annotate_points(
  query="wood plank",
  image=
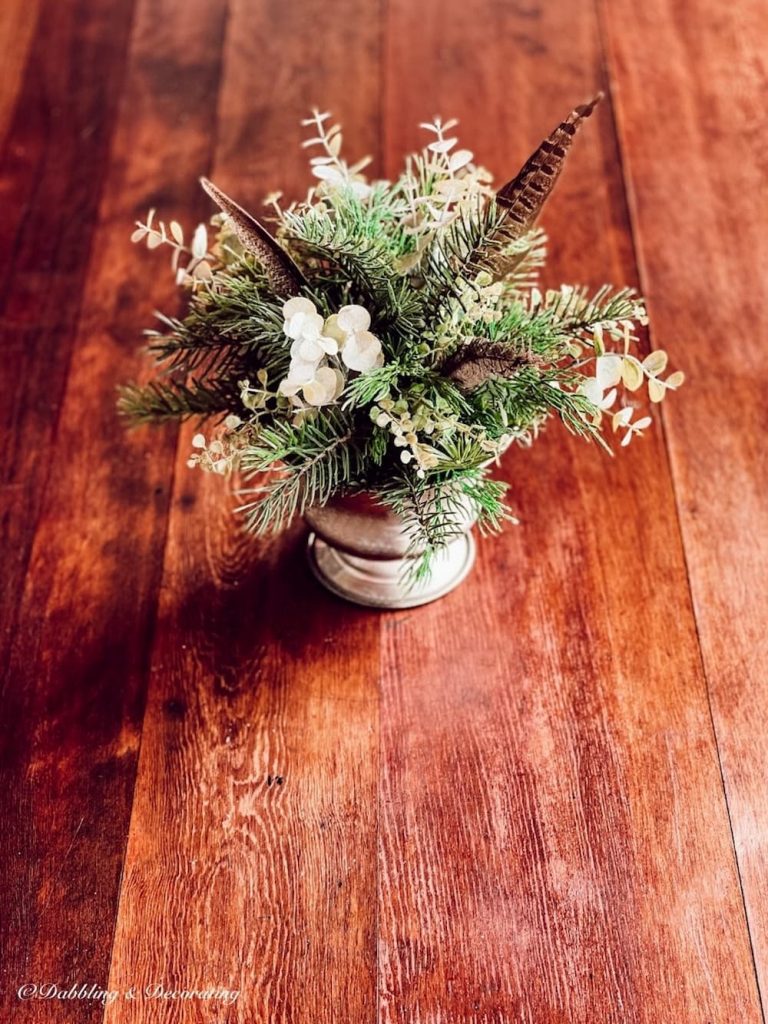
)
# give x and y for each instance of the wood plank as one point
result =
(703, 266)
(52, 170)
(18, 19)
(75, 689)
(252, 853)
(554, 840)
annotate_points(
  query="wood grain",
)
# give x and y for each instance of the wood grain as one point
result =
(554, 840)
(62, 123)
(64, 112)
(75, 687)
(251, 861)
(703, 267)
(518, 804)
(17, 24)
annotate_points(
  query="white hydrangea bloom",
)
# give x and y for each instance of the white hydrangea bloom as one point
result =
(317, 385)
(342, 336)
(360, 350)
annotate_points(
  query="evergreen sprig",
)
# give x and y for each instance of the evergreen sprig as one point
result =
(177, 400)
(315, 460)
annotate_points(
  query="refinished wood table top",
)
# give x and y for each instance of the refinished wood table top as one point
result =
(541, 799)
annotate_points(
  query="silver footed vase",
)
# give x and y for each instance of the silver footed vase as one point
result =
(359, 550)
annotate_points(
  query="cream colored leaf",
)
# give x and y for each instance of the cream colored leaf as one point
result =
(298, 304)
(609, 399)
(459, 159)
(655, 362)
(450, 189)
(442, 145)
(608, 370)
(675, 380)
(592, 390)
(322, 389)
(631, 374)
(177, 232)
(200, 242)
(202, 271)
(327, 173)
(656, 390)
(622, 417)
(353, 318)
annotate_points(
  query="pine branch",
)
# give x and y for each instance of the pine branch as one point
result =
(368, 387)
(432, 515)
(168, 400)
(486, 497)
(520, 260)
(452, 261)
(354, 246)
(526, 400)
(572, 310)
(237, 325)
(313, 462)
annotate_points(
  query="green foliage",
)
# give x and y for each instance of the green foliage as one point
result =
(169, 400)
(350, 249)
(418, 348)
(234, 327)
(458, 254)
(316, 459)
(436, 510)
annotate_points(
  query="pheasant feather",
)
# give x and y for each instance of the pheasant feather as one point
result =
(519, 202)
(523, 197)
(283, 274)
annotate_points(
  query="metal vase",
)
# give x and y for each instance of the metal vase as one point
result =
(359, 550)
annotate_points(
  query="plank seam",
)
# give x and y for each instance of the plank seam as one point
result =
(383, 109)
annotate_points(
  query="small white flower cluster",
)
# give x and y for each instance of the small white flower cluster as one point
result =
(613, 369)
(330, 168)
(481, 300)
(220, 454)
(405, 427)
(198, 264)
(322, 348)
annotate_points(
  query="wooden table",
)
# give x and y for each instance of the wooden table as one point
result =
(541, 799)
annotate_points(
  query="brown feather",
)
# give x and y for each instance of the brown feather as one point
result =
(523, 197)
(282, 273)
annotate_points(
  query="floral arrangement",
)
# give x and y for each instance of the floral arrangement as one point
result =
(389, 337)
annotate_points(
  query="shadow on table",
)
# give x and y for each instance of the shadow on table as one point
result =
(258, 617)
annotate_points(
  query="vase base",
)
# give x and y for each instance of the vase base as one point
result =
(377, 583)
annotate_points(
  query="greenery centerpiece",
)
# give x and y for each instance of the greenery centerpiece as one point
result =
(389, 338)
